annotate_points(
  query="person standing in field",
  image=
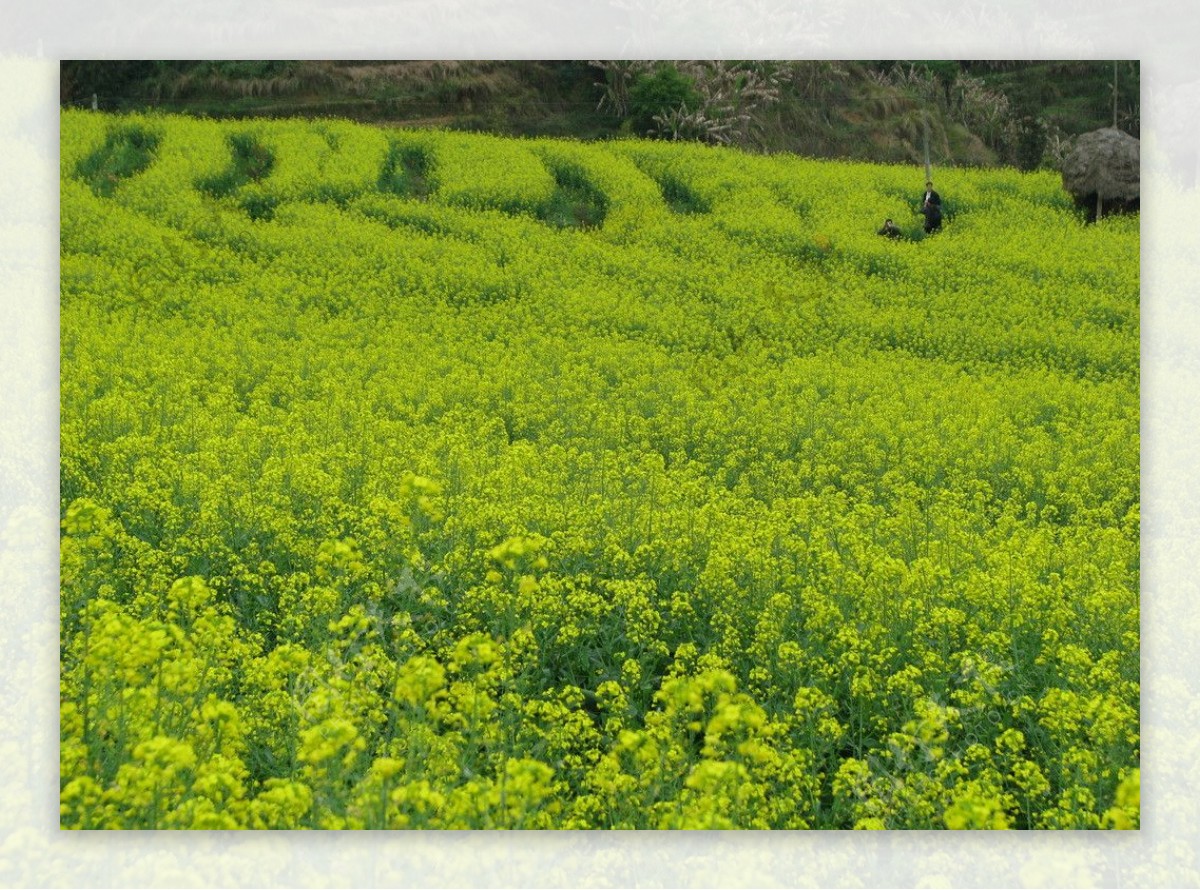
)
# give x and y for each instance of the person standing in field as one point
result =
(931, 208)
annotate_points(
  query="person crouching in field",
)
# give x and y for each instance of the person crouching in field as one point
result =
(889, 230)
(931, 208)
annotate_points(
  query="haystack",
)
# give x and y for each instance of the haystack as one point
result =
(1103, 171)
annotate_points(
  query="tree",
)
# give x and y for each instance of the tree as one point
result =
(1032, 137)
(662, 91)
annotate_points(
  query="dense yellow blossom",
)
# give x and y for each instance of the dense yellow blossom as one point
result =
(394, 497)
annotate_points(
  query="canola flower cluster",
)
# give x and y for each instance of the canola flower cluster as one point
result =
(394, 495)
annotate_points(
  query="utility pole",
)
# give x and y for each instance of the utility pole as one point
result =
(1114, 94)
(925, 125)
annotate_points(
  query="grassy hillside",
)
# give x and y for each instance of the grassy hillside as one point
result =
(974, 113)
(1075, 96)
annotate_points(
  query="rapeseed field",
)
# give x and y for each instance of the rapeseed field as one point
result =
(442, 480)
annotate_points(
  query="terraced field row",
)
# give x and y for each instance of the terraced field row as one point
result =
(429, 479)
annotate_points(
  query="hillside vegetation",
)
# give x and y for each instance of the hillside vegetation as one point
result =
(1022, 114)
(433, 479)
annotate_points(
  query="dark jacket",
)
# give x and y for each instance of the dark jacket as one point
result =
(931, 204)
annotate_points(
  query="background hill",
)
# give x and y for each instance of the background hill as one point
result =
(1015, 113)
